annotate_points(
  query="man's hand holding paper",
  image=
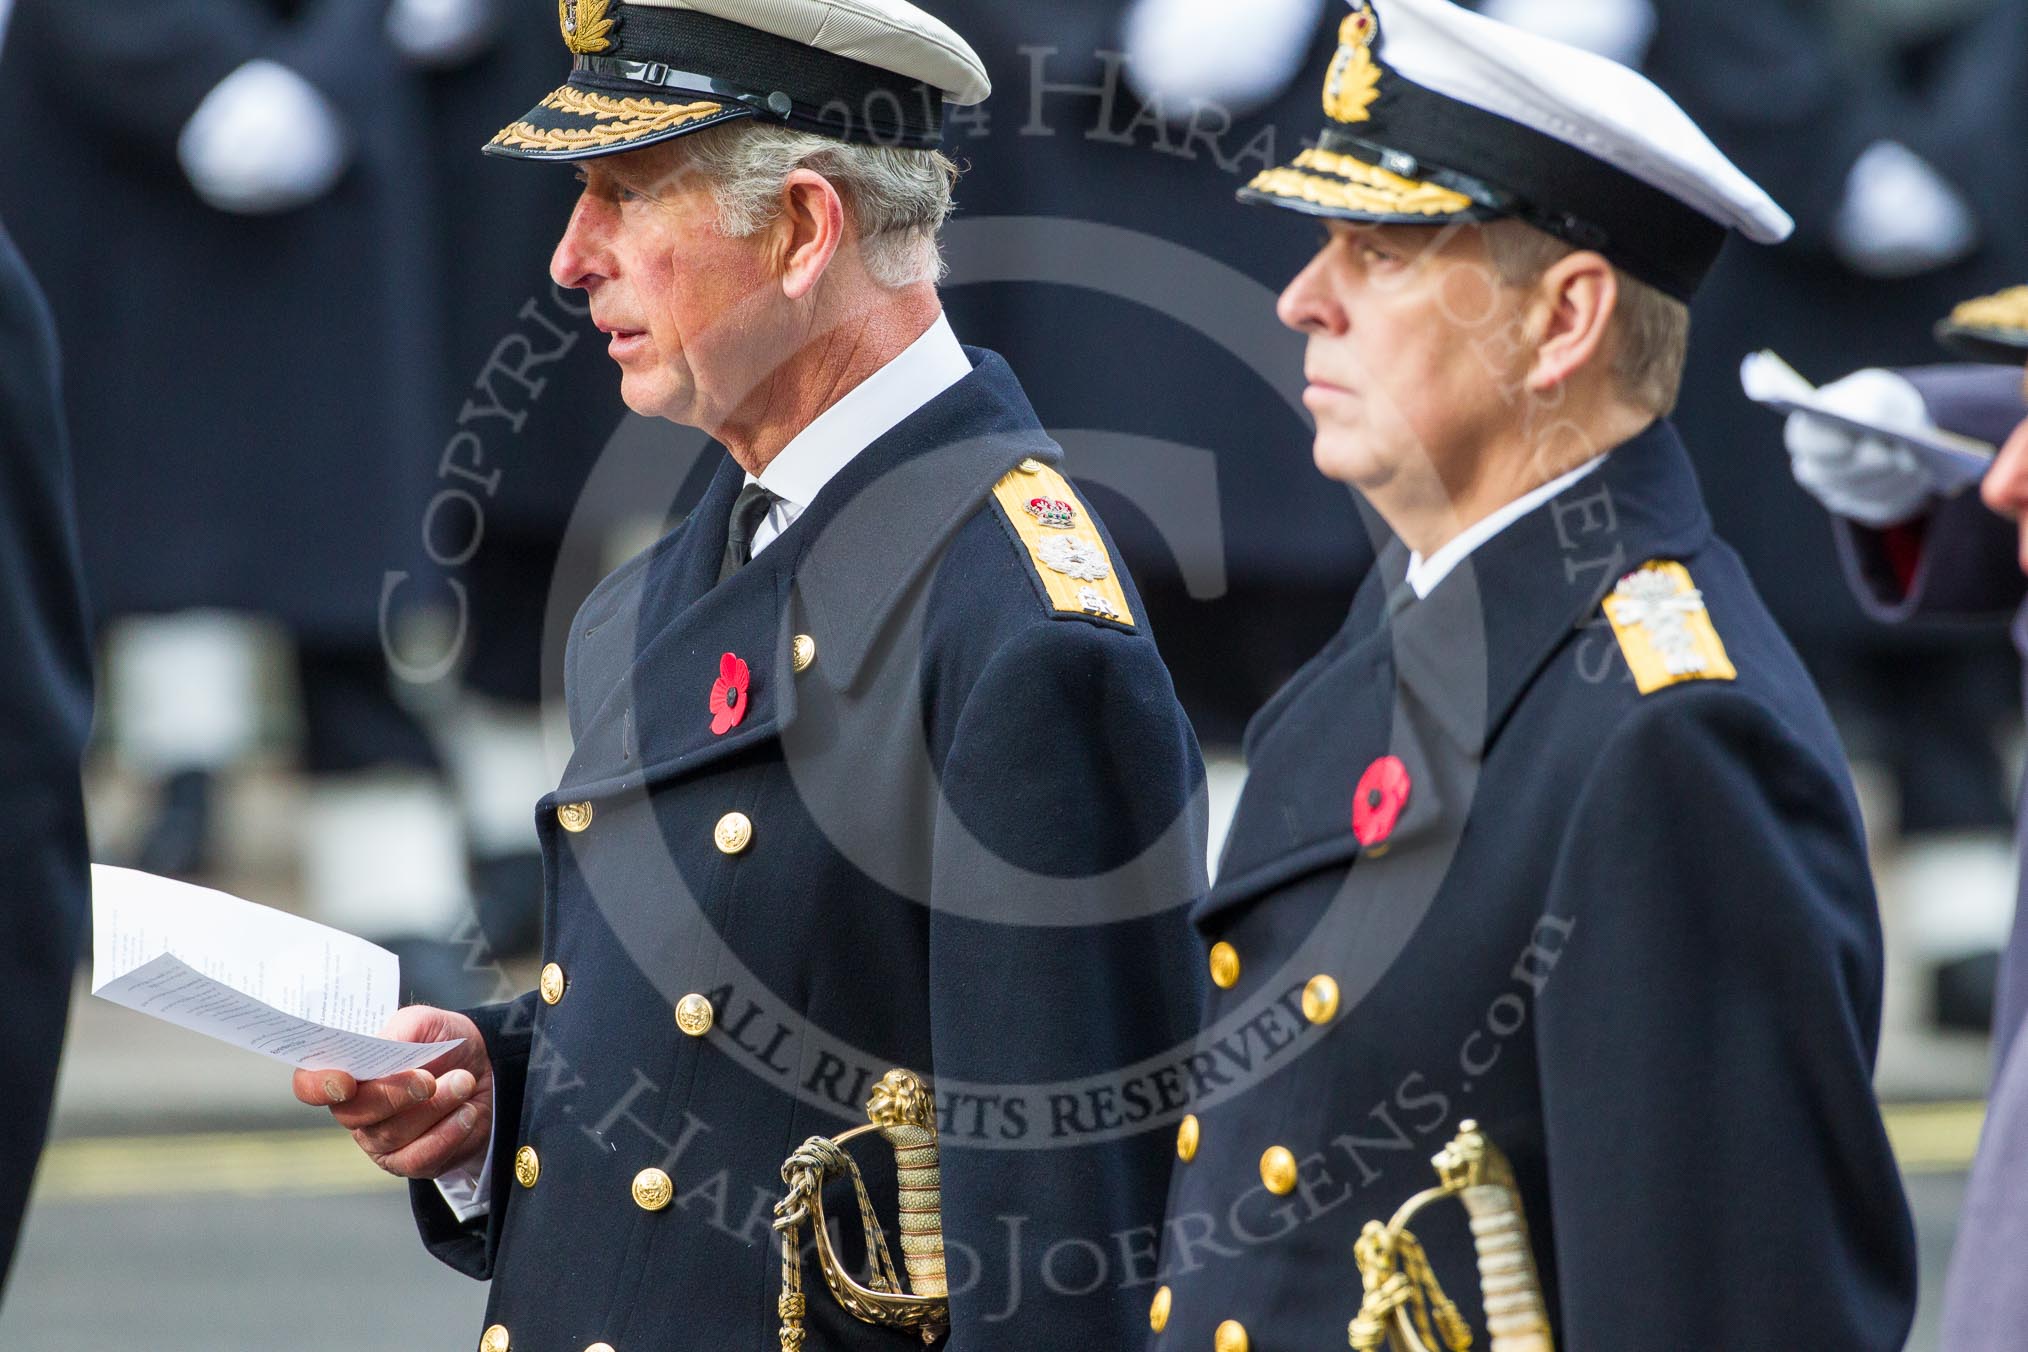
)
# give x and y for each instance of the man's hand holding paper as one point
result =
(247, 975)
(416, 1123)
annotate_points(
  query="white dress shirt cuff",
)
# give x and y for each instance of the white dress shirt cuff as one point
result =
(469, 1195)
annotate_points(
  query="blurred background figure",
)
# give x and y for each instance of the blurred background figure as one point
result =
(1870, 115)
(1914, 546)
(325, 410)
(243, 240)
(526, 404)
(46, 707)
(301, 365)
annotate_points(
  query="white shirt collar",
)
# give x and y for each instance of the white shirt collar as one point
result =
(1424, 574)
(873, 408)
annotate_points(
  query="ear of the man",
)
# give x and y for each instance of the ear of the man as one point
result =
(808, 232)
(1577, 299)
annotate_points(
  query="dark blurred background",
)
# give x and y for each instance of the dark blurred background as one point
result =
(333, 431)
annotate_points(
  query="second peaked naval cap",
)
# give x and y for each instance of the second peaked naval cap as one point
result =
(1436, 114)
(1989, 329)
(876, 72)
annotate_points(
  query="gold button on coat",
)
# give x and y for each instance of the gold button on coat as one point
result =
(1158, 1312)
(802, 652)
(552, 983)
(733, 833)
(494, 1339)
(1224, 966)
(1278, 1171)
(1231, 1337)
(1320, 1000)
(527, 1166)
(653, 1190)
(1030, 466)
(694, 1015)
(1186, 1138)
(574, 817)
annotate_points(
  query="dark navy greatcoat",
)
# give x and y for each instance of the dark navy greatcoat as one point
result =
(45, 705)
(975, 827)
(1633, 936)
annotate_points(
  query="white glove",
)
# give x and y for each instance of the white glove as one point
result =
(1900, 218)
(1619, 29)
(441, 33)
(1237, 57)
(264, 141)
(1871, 481)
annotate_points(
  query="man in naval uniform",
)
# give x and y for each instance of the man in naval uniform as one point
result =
(1916, 545)
(1555, 835)
(876, 764)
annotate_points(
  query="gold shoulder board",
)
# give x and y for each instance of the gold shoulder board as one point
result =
(1077, 572)
(1664, 631)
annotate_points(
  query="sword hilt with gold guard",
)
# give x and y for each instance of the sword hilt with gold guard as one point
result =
(903, 1113)
(1405, 1308)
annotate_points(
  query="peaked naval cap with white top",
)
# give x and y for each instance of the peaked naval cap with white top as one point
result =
(1437, 114)
(877, 72)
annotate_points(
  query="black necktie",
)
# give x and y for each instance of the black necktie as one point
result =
(751, 508)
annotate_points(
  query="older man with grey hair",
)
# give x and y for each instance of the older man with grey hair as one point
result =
(876, 768)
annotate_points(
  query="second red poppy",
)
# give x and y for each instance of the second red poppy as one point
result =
(729, 695)
(1378, 799)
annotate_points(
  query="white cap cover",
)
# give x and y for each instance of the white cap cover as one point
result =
(890, 34)
(1439, 114)
(877, 72)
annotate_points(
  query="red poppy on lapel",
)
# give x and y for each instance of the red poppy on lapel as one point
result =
(728, 695)
(1378, 800)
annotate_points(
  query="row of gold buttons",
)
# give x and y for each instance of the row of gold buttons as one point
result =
(733, 831)
(694, 1014)
(1278, 1172)
(732, 834)
(1320, 1005)
(1320, 995)
(1230, 1336)
(652, 1188)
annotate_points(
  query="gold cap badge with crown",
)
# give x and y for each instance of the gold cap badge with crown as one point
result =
(1354, 79)
(586, 28)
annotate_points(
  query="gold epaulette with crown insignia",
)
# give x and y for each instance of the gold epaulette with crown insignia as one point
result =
(1065, 548)
(1665, 632)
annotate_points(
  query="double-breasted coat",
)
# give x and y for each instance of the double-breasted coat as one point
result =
(45, 700)
(955, 829)
(1632, 935)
